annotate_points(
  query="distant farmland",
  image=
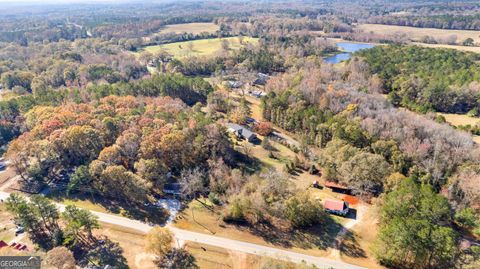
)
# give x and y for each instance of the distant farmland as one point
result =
(193, 28)
(416, 34)
(201, 47)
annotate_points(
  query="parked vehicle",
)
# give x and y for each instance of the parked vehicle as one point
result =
(19, 230)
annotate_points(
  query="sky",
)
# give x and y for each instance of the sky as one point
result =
(60, 1)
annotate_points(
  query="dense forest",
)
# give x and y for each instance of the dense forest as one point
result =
(425, 79)
(106, 139)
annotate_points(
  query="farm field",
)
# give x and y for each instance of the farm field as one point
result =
(416, 33)
(201, 47)
(193, 28)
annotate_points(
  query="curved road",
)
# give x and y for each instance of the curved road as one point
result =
(184, 235)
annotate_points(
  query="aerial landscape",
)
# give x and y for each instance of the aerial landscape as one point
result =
(203, 134)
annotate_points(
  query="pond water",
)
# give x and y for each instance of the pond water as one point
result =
(347, 48)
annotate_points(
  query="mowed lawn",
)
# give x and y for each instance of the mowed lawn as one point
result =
(193, 28)
(201, 47)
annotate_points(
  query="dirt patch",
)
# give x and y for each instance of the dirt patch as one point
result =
(351, 200)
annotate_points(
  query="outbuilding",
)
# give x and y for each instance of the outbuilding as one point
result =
(337, 187)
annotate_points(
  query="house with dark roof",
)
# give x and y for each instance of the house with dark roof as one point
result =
(235, 84)
(336, 207)
(261, 79)
(242, 132)
(172, 188)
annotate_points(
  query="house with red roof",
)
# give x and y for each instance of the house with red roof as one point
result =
(336, 207)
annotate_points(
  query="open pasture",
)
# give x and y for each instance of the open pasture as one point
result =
(201, 47)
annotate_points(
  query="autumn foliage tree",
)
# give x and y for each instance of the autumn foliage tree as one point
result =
(264, 128)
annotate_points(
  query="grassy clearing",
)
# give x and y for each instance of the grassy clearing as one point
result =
(456, 47)
(82, 202)
(357, 247)
(281, 154)
(193, 28)
(6, 225)
(201, 47)
(460, 119)
(133, 244)
(210, 257)
(313, 241)
(415, 34)
(6, 175)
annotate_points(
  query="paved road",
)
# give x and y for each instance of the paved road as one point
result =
(184, 235)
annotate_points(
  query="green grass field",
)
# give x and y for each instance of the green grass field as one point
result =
(194, 28)
(201, 47)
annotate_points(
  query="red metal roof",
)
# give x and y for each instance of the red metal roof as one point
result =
(331, 184)
(334, 205)
(3, 244)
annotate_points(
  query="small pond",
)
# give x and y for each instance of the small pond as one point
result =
(347, 50)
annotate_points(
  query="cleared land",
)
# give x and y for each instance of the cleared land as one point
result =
(193, 28)
(416, 34)
(444, 46)
(458, 119)
(218, 258)
(7, 229)
(201, 47)
(132, 243)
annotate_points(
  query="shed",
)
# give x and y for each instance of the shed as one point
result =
(336, 186)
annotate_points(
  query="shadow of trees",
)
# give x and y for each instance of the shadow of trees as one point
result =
(320, 236)
(101, 252)
(350, 246)
(151, 214)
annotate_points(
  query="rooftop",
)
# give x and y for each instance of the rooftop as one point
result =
(335, 205)
(244, 131)
(331, 184)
